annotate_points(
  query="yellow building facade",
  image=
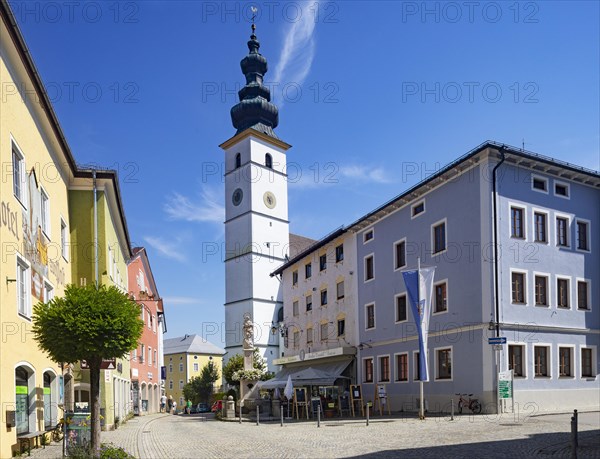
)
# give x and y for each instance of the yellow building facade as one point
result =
(37, 167)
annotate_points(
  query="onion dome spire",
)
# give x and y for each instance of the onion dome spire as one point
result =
(255, 109)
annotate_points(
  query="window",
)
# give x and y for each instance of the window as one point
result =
(63, 240)
(368, 236)
(48, 292)
(515, 359)
(540, 227)
(323, 262)
(341, 327)
(370, 311)
(295, 277)
(384, 368)
(561, 189)
(19, 189)
(439, 237)
(45, 211)
(22, 407)
(307, 270)
(540, 361)
(583, 290)
(369, 269)
(402, 367)
(541, 291)
(195, 367)
(324, 331)
(417, 209)
(181, 387)
(539, 184)
(340, 290)
(23, 288)
(587, 370)
(171, 384)
(516, 223)
(441, 298)
(238, 160)
(444, 363)
(368, 370)
(309, 335)
(323, 297)
(565, 360)
(562, 232)
(562, 293)
(417, 366)
(296, 339)
(309, 303)
(582, 236)
(149, 356)
(518, 288)
(399, 254)
(295, 310)
(268, 161)
(401, 313)
(181, 367)
(339, 253)
(170, 368)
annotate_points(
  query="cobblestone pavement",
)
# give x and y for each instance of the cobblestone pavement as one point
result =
(195, 436)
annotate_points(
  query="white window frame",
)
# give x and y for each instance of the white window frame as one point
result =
(310, 332)
(540, 177)
(324, 338)
(524, 351)
(180, 386)
(588, 235)
(568, 218)
(522, 207)
(549, 289)
(22, 197)
(535, 210)
(370, 255)
(525, 287)
(398, 295)
(367, 317)
(436, 351)
(149, 356)
(589, 293)
(45, 212)
(180, 366)
(569, 280)
(337, 290)
(365, 232)
(565, 184)
(433, 226)
(364, 373)
(295, 308)
(395, 267)
(549, 360)
(23, 275)
(196, 367)
(396, 367)
(64, 239)
(379, 367)
(433, 312)
(594, 376)
(572, 347)
(412, 209)
(48, 288)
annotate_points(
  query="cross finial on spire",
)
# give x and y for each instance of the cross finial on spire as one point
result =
(254, 11)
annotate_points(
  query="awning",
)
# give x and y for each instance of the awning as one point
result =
(323, 374)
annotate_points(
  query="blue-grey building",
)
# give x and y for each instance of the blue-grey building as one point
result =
(539, 286)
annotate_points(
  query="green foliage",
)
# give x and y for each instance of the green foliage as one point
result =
(107, 451)
(88, 323)
(200, 388)
(236, 364)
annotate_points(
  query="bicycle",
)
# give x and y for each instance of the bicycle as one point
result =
(470, 403)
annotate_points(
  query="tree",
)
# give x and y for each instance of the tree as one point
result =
(200, 388)
(89, 323)
(236, 363)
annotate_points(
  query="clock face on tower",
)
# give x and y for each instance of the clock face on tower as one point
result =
(237, 197)
(269, 199)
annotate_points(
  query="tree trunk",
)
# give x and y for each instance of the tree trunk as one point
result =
(95, 401)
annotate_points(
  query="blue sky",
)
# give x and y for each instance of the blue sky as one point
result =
(373, 96)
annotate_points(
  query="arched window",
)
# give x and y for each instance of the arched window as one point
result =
(238, 160)
(22, 400)
(47, 400)
(269, 161)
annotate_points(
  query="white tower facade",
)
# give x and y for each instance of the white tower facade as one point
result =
(256, 214)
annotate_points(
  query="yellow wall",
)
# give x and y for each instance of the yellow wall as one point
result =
(188, 361)
(23, 123)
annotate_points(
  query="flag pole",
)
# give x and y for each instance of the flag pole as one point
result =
(421, 401)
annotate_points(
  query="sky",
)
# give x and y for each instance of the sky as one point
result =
(372, 96)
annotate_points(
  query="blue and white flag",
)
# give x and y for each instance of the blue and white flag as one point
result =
(419, 286)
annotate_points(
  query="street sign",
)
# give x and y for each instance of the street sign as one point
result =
(505, 384)
(107, 364)
(498, 340)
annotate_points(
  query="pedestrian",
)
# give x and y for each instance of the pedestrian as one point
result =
(188, 407)
(174, 407)
(163, 403)
(170, 403)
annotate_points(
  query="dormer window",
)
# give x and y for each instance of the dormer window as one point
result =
(268, 161)
(238, 160)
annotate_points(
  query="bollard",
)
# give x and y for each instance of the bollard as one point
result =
(319, 417)
(576, 428)
(240, 412)
(257, 415)
(281, 413)
(452, 410)
(367, 414)
(573, 438)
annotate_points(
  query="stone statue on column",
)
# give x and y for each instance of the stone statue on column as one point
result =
(248, 345)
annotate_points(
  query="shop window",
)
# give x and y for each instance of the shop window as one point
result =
(22, 400)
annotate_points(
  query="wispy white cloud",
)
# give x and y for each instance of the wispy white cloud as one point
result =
(365, 173)
(165, 248)
(208, 207)
(298, 52)
(172, 300)
(332, 175)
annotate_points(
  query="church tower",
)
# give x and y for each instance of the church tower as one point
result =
(256, 212)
